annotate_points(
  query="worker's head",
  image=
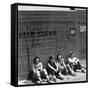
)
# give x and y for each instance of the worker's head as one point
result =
(51, 59)
(36, 60)
(71, 54)
(59, 56)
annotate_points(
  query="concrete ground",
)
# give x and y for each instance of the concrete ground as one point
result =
(79, 77)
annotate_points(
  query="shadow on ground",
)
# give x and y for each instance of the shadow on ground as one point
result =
(68, 78)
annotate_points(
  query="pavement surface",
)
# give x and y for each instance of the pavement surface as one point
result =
(68, 78)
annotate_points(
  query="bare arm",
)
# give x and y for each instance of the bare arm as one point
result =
(41, 66)
(51, 67)
(70, 60)
(56, 65)
(33, 68)
(76, 59)
(63, 63)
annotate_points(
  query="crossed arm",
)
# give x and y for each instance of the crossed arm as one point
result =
(53, 67)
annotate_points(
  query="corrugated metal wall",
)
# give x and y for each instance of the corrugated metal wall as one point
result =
(60, 21)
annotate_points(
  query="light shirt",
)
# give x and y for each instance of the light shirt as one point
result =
(73, 60)
(37, 67)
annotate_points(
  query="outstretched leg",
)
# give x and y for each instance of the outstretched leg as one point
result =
(81, 67)
(59, 74)
(38, 76)
(46, 75)
(70, 70)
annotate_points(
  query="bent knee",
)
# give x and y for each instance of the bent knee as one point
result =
(44, 70)
(68, 66)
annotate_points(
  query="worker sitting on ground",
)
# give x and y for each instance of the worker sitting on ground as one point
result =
(75, 63)
(53, 69)
(65, 69)
(38, 70)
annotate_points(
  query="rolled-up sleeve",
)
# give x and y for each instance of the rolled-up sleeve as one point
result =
(70, 60)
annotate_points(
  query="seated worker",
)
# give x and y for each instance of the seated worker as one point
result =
(53, 69)
(65, 69)
(38, 70)
(75, 63)
(61, 64)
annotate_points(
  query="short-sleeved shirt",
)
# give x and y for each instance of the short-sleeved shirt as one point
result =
(37, 66)
(72, 60)
(53, 64)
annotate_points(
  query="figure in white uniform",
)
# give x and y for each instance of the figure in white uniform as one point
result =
(74, 62)
(38, 70)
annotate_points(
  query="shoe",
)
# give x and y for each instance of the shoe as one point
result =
(73, 73)
(48, 81)
(54, 79)
(60, 77)
(83, 71)
(39, 82)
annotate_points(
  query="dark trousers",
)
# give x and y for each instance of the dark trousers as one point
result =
(76, 66)
(52, 72)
